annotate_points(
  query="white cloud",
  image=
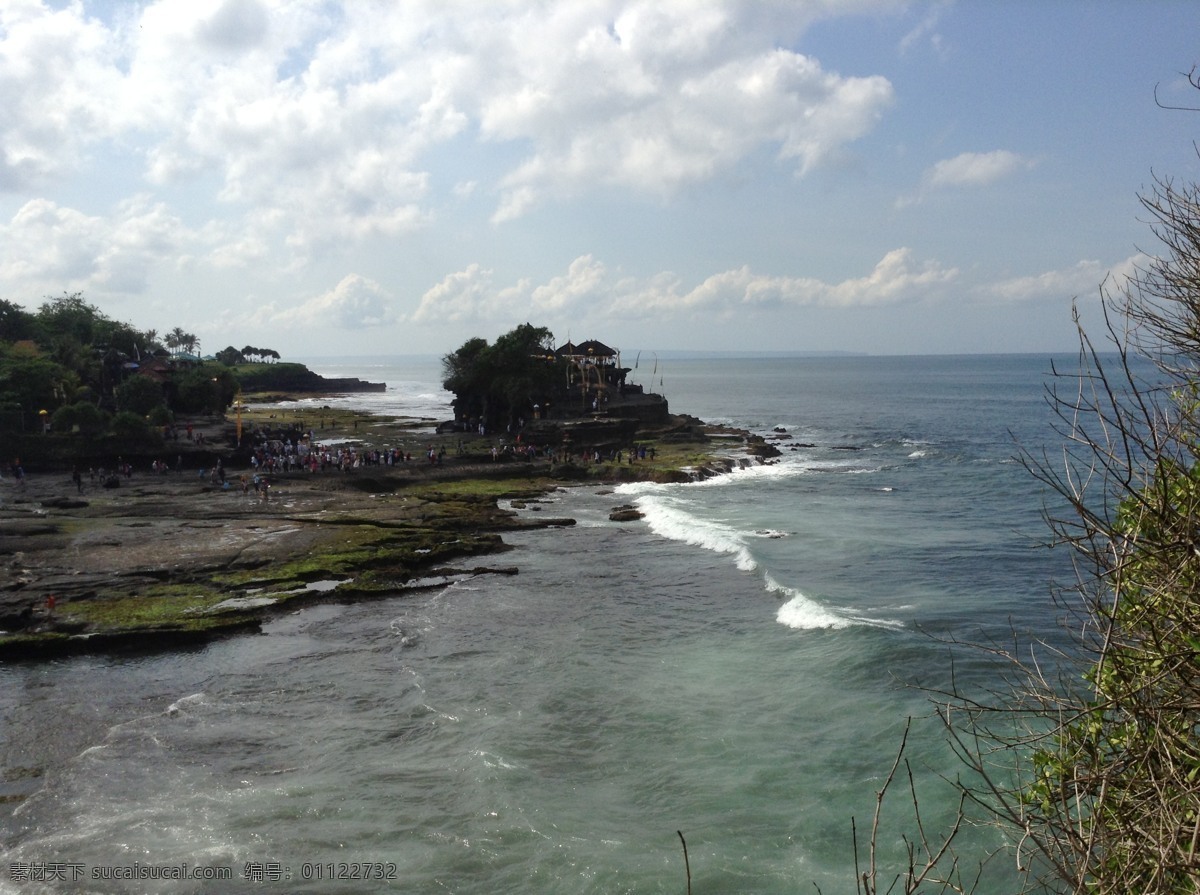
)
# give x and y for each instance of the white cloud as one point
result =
(968, 169)
(895, 279)
(656, 105)
(976, 168)
(583, 283)
(462, 296)
(57, 69)
(1081, 279)
(46, 248)
(329, 114)
(589, 291)
(926, 29)
(354, 303)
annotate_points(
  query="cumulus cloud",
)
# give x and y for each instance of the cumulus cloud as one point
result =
(896, 278)
(583, 282)
(48, 248)
(670, 114)
(57, 68)
(330, 115)
(461, 296)
(354, 303)
(976, 168)
(1081, 279)
(590, 290)
(968, 169)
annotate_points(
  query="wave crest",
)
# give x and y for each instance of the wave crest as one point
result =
(675, 524)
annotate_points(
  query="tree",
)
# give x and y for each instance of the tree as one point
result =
(208, 388)
(230, 356)
(34, 383)
(16, 324)
(464, 373)
(83, 418)
(178, 340)
(498, 384)
(140, 395)
(133, 429)
(69, 317)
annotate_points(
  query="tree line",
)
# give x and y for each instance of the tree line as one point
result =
(70, 367)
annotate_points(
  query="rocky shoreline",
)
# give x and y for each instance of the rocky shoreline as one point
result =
(171, 559)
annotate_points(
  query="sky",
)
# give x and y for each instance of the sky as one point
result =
(376, 177)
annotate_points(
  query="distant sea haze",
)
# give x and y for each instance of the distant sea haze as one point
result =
(738, 665)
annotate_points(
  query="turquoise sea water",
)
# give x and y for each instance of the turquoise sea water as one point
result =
(738, 666)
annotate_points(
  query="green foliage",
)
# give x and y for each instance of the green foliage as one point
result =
(130, 426)
(501, 382)
(11, 417)
(35, 383)
(69, 317)
(139, 394)
(16, 324)
(208, 388)
(1108, 789)
(90, 350)
(1129, 759)
(230, 356)
(262, 354)
(275, 377)
(82, 418)
(160, 416)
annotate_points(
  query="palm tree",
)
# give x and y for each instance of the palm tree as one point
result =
(176, 339)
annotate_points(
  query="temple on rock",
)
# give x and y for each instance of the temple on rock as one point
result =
(596, 384)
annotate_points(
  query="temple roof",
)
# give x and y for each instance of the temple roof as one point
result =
(590, 348)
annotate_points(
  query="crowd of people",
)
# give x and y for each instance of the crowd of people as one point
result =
(294, 451)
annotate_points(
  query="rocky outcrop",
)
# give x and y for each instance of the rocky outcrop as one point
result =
(625, 513)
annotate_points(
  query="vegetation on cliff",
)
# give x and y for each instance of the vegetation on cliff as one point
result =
(70, 370)
(1090, 763)
(1111, 802)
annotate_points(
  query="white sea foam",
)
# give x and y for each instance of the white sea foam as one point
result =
(777, 470)
(804, 613)
(633, 489)
(668, 520)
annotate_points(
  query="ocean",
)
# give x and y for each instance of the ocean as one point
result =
(734, 671)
